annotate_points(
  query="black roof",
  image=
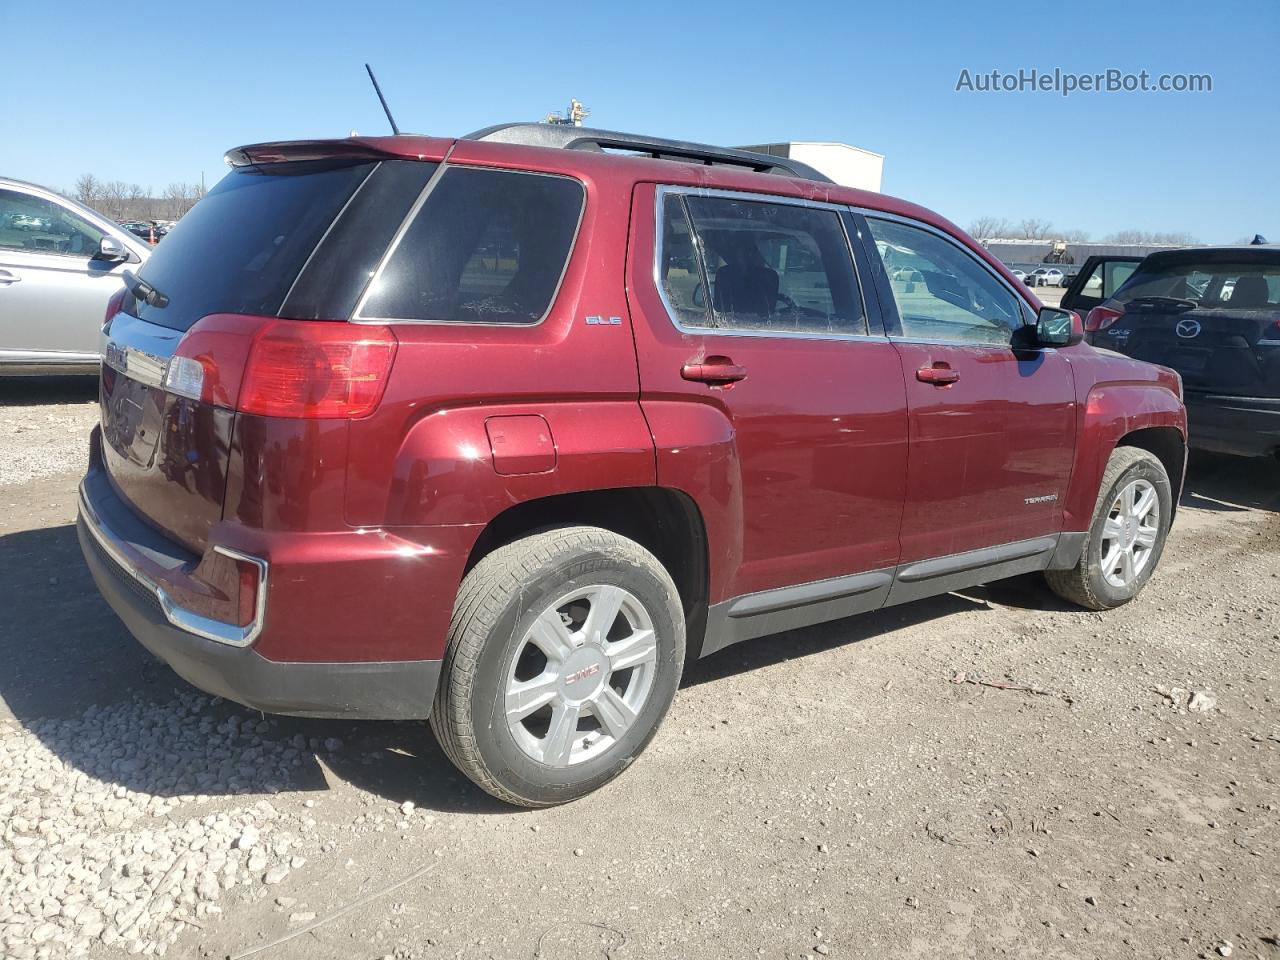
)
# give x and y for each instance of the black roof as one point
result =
(568, 137)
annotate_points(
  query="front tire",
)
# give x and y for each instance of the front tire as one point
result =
(1126, 538)
(565, 651)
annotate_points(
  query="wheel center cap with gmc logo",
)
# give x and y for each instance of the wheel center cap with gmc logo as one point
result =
(1187, 329)
(583, 672)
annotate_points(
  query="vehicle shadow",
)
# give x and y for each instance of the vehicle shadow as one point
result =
(76, 680)
(33, 391)
(1232, 484)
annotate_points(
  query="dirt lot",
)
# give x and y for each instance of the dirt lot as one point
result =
(830, 792)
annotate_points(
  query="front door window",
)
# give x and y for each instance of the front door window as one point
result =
(35, 225)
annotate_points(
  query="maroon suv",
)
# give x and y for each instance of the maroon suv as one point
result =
(503, 430)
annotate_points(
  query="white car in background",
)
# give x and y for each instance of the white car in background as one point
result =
(60, 263)
(1045, 277)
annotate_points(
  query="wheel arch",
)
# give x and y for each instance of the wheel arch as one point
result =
(1166, 444)
(1141, 414)
(666, 522)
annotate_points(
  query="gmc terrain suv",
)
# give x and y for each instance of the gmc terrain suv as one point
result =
(504, 430)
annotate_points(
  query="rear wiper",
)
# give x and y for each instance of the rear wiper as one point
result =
(1170, 302)
(143, 290)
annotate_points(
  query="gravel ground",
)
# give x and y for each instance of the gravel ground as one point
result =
(851, 790)
(44, 425)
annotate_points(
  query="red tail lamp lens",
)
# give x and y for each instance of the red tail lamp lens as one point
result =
(1100, 318)
(313, 370)
(113, 307)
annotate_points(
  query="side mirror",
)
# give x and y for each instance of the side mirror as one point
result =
(1058, 328)
(111, 250)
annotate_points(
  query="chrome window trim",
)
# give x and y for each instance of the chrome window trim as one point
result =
(665, 190)
(357, 314)
(1021, 297)
(180, 617)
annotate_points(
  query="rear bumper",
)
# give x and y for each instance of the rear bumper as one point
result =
(397, 690)
(1244, 426)
(365, 596)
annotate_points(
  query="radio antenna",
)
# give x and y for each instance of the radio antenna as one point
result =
(385, 109)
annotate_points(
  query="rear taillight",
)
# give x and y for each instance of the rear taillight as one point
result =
(283, 368)
(1100, 318)
(317, 370)
(113, 307)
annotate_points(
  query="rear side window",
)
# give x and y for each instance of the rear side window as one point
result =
(1214, 284)
(770, 267)
(487, 246)
(240, 248)
(1106, 278)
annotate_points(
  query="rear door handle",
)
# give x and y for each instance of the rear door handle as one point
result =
(7, 278)
(940, 375)
(714, 370)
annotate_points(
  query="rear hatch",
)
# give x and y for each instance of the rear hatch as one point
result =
(292, 238)
(1214, 316)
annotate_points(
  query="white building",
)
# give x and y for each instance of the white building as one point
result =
(846, 165)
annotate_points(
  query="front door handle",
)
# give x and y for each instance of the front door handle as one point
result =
(7, 278)
(716, 371)
(940, 374)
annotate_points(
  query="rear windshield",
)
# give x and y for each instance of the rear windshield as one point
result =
(241, 247)
(487, 246)
(1227, 285)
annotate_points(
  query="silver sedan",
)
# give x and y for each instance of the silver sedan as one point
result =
(60, 263)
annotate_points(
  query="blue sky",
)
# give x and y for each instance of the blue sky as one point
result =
(156, 92)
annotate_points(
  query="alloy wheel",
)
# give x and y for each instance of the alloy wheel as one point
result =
(1130, 532)
(581, 675)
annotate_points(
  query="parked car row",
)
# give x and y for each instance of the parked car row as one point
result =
(150, 230)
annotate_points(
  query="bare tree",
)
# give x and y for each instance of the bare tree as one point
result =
(1033, 228)
(87, 188)
(1074, 236)
(181, 197)
(988, 228)
(112, 198)
(1147, 237)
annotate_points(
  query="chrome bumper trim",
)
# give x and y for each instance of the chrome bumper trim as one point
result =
(180, 617)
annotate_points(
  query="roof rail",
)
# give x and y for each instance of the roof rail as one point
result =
(568, 137)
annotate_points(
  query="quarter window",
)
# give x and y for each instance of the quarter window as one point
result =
(943, 293)
(769, 267)
(488, 246)
(36, 225)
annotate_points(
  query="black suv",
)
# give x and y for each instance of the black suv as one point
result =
(1212, 314)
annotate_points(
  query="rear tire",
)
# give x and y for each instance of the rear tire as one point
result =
(1124, 541)
(565, 651)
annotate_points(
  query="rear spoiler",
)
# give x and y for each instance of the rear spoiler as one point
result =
(405, 146)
